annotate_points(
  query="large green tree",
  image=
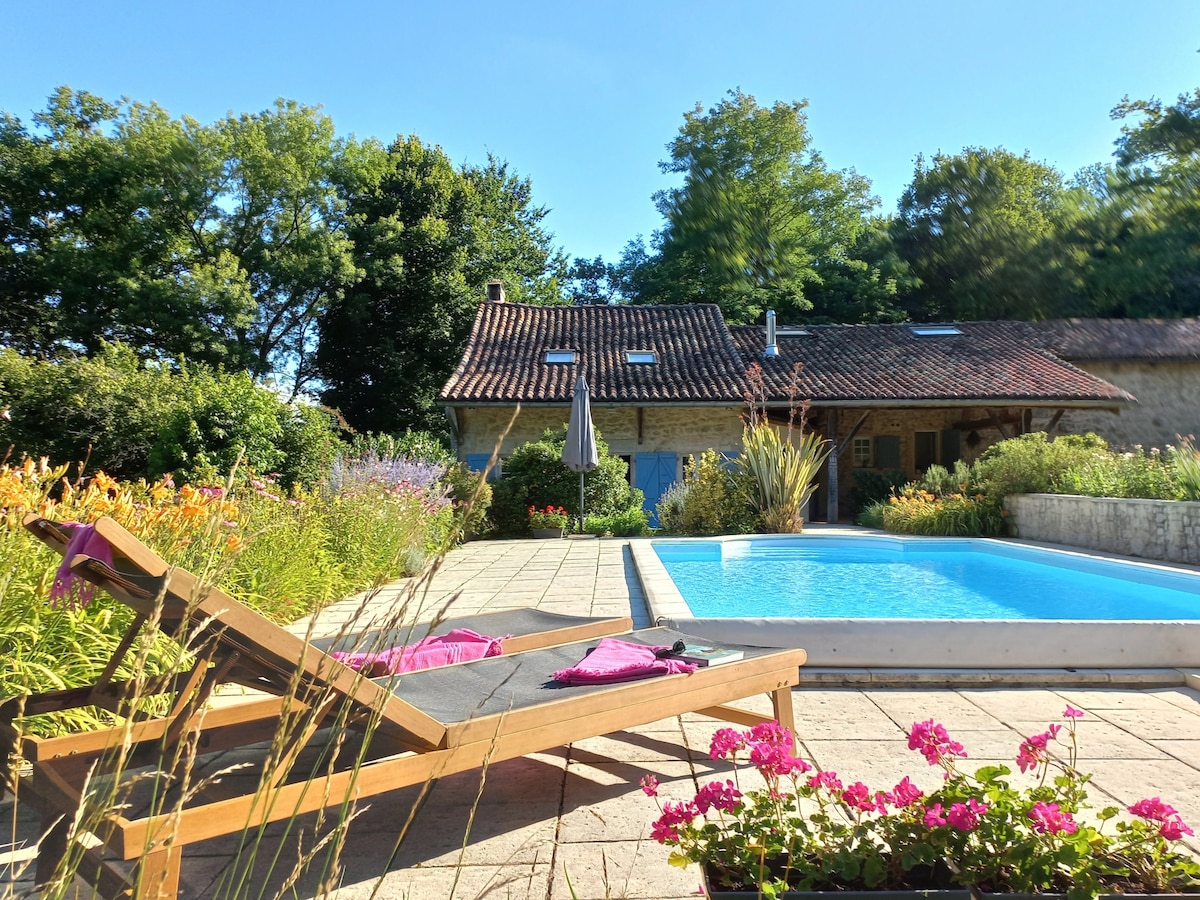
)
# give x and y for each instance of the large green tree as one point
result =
(1139, 245)
(758, 218)
(979, 231)
(221, 242)
(428, 237)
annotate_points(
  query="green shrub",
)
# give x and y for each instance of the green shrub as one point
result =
(132, 420)
(915, 511)
(410, 445)
(1139, 473)
(670, 507)
(1031, 464)
(107, 411)
(871, 486)
(223, 418)
(713, 498)
(1185, 459)
(472, 498)
(309, 442)
(535, 475)
(871, 516)
(941, 482)
(630, 523)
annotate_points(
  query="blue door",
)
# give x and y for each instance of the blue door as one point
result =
(477, 462)
(655, 473)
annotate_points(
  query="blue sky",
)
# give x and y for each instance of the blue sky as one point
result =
(582, 98)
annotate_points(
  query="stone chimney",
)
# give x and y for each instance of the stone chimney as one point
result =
(496, 291)
(770, 351)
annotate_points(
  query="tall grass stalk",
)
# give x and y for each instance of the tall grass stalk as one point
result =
(1185, 458)
(314, 736)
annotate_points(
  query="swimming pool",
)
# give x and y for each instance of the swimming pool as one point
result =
(872, 600)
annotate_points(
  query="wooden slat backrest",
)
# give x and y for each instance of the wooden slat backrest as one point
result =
(268, 650)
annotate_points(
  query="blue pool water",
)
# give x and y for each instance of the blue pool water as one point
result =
(869, 577)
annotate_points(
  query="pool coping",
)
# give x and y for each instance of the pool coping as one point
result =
(1152, 661)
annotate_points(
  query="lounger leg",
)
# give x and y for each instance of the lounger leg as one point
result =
(52, 848)
(781, 700)
(158, 873)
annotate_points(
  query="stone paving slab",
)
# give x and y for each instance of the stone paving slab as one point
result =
(572, 822)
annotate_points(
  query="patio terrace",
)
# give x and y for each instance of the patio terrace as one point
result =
(573, 822)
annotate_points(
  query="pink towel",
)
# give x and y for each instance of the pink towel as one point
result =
(436, 650)
(85, 540)
(612, 660)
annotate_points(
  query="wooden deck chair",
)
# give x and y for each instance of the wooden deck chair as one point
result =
(218, 625)
(419, 727)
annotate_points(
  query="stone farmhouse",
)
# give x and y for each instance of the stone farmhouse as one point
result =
(667, 382)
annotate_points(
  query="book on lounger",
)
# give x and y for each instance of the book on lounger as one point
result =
(707, 655)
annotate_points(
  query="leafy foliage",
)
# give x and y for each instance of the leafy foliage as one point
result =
(757, 217)
(1186, 460)
(973, 226)
(917, 511)
(630, 523)
(782, 474)
(427, 237)
(285, 556)
(535, 475)
(221, 243)
(1031, 464)
(870, 487)
(143, 421)
(713, 498)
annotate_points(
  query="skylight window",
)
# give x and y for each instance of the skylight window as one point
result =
(791, 331)
(932, 330)
(560, 356)
(642, 357)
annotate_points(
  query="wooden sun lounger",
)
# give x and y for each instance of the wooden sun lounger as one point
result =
(419, 726)
(220, 627)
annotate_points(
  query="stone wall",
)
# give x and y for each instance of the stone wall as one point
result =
(1167, 530)
(1167, 404)
(681, 430)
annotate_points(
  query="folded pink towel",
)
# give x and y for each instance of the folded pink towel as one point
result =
(85, 540)
(436, 650)
(612, 660)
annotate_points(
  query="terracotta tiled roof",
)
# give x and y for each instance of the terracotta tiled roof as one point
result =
(505, 358)
(1123, 339)
(996, 362)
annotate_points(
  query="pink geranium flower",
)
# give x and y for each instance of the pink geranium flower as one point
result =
(827, 780)
(906, 793)
(934, 743)
(725, 742)
(1048, 818)
(965, 816)
(717, 795)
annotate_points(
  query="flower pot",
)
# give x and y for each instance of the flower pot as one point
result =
(933, 892)
(549, 532)
(710, 890)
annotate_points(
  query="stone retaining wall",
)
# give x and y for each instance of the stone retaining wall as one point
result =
(1167, 530)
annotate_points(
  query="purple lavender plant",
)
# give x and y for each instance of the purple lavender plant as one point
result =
(371, 472)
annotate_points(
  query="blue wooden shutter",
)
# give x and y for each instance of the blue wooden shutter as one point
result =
(477, 462)
(655, 473)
